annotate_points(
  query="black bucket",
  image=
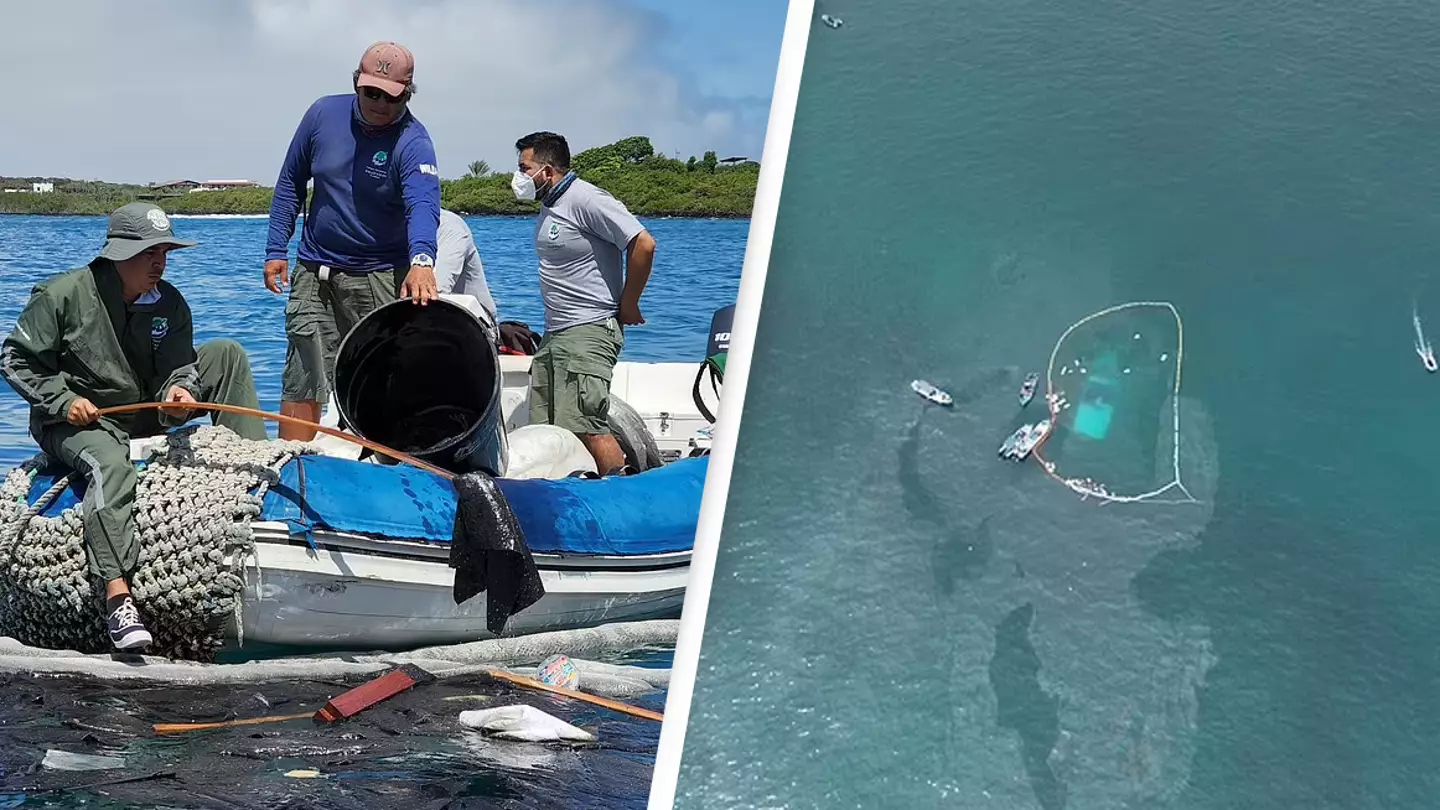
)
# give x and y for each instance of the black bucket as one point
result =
(424, 381)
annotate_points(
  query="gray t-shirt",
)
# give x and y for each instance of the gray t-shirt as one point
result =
(457, 263)
(581, 243)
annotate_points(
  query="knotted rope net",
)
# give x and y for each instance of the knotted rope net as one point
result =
(194, 502)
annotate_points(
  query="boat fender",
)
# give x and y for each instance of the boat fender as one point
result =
(641, 451)
(489, 553)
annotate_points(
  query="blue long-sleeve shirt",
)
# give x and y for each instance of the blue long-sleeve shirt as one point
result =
(377, 191)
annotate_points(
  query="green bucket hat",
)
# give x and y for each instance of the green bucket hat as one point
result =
(137, 227)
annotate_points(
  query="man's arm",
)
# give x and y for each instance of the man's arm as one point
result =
(609, 218)
(290, 187)
(30, 358)
(420, 188)
(639, 258)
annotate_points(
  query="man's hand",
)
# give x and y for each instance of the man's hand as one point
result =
(420, 285)
(277, 275)
(82, 412)
(179, 396)
(630, 313)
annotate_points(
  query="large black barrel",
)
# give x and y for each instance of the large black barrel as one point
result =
(424, 381)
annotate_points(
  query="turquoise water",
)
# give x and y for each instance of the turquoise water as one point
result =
(408, 753)
(899, 619)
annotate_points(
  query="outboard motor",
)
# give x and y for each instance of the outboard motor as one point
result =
(424, 381)
(717, 349)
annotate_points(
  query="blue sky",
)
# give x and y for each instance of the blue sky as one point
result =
(732, 48)
(221, 98)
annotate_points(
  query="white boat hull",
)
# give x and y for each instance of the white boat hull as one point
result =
(357, 592)
(353, 599)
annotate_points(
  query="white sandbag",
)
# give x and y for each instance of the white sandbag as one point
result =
(546, 451)
(525, 723)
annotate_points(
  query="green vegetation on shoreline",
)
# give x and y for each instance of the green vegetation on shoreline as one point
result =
(649, 184)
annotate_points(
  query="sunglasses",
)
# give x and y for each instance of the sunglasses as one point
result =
(376, 94)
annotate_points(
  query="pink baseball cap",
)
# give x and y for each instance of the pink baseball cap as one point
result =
(388, 66)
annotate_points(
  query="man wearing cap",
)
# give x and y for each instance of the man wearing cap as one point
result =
(370, 232)
(113, 332)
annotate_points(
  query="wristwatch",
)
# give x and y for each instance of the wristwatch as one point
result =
(422, 259)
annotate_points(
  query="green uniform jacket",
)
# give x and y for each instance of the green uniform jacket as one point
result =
(78, 338)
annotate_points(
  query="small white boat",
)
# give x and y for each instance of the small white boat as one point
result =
(931, 392)
(353, 553)
(360, 589)
(1007, 447)
(1422, 345)
(1027, 389)
(1018, 445)
(833, 22)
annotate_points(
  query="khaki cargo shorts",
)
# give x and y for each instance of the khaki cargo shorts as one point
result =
(318, 315)
(570, 377)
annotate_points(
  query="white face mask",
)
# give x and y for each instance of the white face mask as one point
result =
(523, 185)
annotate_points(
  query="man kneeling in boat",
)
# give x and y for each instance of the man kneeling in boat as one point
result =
(114, 333)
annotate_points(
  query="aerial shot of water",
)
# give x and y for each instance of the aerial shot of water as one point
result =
(901, 619)
(408, 751)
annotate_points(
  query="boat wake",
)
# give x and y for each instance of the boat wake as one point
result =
(1422, 344)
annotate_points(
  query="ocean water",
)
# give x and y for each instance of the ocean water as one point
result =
(697, 271)
(899, 618)
(408, 751)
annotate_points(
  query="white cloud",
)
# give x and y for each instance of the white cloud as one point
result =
(150, 90)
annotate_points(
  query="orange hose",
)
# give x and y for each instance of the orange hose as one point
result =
(614, 705)
(287, 420)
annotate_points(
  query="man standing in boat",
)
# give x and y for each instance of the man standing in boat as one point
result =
(115, 333)
(370, 233)
(595, 259)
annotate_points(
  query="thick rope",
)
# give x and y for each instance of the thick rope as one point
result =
(193, 507)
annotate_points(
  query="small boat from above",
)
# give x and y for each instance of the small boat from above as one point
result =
(833, 22)
(931, 392)
(1422, 345)
(1027, 388)
(1032, 440)
(1007, 447)
(1025, 439)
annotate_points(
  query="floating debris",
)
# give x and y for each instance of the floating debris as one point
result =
(523, 723)
(559, 670)
(833, 22)
(57, 760)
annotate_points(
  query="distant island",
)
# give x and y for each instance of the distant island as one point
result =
(649, 184)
